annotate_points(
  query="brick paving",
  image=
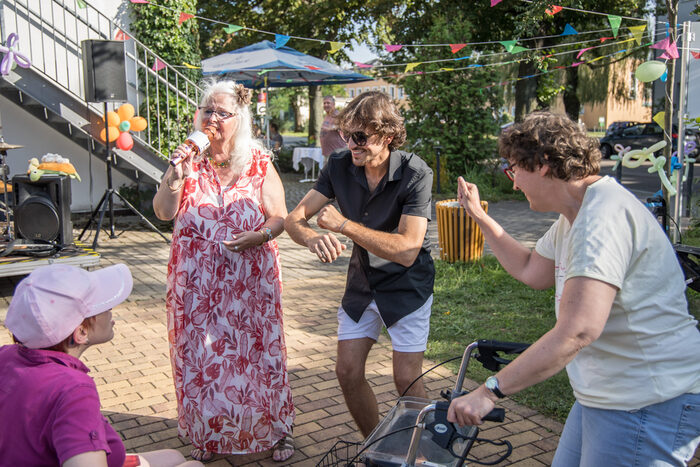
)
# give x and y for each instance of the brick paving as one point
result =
(133, 372)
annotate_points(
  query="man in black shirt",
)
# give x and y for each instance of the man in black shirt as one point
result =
(384, 197)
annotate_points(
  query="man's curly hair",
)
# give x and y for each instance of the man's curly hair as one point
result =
(375, 112)
(545, 138)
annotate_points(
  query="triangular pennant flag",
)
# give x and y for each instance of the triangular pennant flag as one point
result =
(187, 65)
(582, 51)
(140, 1)
(463, 58)
(614, 23)
(669, 48)
(184, 17)
(569, 30)
(664, 76)
(411, 66)
(553, 10)
(508, 45)
(232, 29)
(517, 49)
(362, 65)
(392, 48)
(158, 65)
(495, 2)
(311, 67)
(637, 32)
(659, 118)
(81, 4)
(696, 55)
(446, 69)
(280, 40)
(262, 72)
(336, 46)
(121, 35)
(457, 47)
(603, 39)
(575, 64)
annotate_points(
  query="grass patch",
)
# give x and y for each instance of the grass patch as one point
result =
(482, 301)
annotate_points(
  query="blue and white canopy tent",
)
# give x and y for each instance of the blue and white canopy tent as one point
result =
(263, 65)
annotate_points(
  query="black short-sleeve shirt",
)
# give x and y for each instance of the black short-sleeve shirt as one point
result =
(405, 189)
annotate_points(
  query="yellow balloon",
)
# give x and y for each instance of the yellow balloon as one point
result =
(113, 119)
(113, 134)
(125, 111)
(138, 123)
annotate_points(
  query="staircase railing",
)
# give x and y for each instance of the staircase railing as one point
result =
(50, 33)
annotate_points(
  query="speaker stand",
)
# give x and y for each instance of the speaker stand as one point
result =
(107, 200)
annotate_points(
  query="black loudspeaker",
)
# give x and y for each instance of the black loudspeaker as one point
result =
(104, 71)
(42, 209)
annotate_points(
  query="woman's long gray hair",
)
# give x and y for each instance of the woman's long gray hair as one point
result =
(244, 142)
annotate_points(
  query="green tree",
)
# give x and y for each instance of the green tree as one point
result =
(456, 110)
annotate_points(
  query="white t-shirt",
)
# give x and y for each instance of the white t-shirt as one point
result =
(649, 350)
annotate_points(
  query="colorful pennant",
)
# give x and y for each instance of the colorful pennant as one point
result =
(140, 1)
(158, 65)
(411, 66)
(336, 46)
(569, 30)
(184, 17)
(696, 55)
(637, 32)
(121, 36)
(615, 22)
(232, 29)
(495, 2)
(81, 4)
(553, 10)
(669, 48)
(362, 65)
(280, 40)
(582, 51)
(392, 48)
(192, 67)
(457, 47)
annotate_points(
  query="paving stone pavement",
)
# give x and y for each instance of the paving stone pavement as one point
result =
(134, 378)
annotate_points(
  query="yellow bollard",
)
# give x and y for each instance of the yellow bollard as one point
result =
(459, 237)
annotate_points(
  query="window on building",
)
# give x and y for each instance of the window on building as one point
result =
(633, 86)
(400, 92)
(384, 89)
(352, 93)
(366, 89)
(392, 91)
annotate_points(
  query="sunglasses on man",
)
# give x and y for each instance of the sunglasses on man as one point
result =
(359, 137)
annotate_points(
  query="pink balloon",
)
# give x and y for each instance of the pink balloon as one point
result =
(125, 142)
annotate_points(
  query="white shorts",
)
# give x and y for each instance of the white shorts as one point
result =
(409, 334)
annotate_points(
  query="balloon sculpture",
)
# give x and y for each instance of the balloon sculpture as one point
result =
(634, 159)
(120, 123)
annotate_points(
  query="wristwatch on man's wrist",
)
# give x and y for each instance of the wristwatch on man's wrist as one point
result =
(492, 385)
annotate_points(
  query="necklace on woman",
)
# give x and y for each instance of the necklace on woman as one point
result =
(219, 164)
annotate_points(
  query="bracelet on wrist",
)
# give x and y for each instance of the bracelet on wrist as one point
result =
(266, 233)
(343, 225)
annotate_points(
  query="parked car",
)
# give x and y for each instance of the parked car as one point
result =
(616, 127)
(638, 136)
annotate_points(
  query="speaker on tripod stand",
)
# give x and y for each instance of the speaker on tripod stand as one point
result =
(105, 81)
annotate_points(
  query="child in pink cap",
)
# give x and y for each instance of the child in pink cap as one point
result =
(49, 406)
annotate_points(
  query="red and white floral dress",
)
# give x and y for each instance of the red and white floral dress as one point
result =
(224, 309)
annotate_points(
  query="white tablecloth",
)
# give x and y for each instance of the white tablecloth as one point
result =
(307, 153)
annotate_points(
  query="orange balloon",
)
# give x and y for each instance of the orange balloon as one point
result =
(125, 111)
(113, 119)
(138, 123)
(113, 134)
(125, 141)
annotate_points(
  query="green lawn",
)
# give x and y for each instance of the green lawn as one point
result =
(482, 301)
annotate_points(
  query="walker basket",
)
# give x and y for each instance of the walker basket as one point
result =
(341, 455)
(459, 237)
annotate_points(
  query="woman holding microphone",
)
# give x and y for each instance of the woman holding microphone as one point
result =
(224, 289)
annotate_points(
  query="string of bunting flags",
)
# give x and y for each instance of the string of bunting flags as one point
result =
(281, 40)
(647, 71)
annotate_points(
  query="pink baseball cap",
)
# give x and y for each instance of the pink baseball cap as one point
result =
(52, 301)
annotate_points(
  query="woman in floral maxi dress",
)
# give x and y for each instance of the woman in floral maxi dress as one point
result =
(224, 287)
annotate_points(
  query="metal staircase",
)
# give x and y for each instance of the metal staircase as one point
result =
(50, 34)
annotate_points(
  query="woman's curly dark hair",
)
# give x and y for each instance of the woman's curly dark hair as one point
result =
(545, 138)
(375, 111)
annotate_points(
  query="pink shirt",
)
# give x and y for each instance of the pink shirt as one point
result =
(50, 410)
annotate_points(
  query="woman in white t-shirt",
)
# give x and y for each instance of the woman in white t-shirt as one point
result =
(623, 330)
